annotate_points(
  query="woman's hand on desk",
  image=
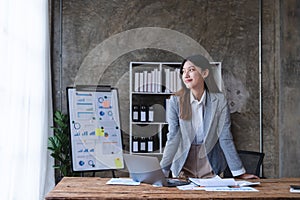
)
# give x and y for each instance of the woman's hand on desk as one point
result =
(248, 176)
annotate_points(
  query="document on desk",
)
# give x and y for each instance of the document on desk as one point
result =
(122, 181)
(190, 186)
(230, 189)
(244, 183)
(217, 184)
(217, 189)
(216, 181)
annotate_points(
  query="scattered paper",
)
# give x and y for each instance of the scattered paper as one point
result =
(218, 184)
(122, 181)
(190, 186)
(213, 182)
(231, 189)
(246, 183)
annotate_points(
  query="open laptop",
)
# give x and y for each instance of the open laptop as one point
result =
(147, 169)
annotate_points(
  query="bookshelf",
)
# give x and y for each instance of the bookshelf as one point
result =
(150, 85)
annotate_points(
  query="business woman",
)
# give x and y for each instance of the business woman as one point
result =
(199, 141)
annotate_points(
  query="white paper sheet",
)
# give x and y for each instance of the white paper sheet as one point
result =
(246, 183)
(229, 189)
(122, 181)
(213, 182)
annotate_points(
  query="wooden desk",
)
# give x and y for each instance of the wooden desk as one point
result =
(96, 188)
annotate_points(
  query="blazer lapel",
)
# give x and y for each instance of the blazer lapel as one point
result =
(209, 113)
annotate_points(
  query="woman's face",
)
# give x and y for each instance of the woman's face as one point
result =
(192, 76)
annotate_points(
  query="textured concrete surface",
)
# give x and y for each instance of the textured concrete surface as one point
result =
(289, 106)
(226, 30)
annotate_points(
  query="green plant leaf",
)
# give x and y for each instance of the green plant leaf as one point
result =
(59, 144)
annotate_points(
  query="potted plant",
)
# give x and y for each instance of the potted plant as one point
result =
(59, 145)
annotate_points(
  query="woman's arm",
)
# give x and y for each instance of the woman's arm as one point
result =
(173, 137)
(226, 141)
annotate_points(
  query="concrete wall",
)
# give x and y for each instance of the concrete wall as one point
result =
(100, 38)
(289, 92)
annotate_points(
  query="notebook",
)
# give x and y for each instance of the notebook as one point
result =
(147, 169)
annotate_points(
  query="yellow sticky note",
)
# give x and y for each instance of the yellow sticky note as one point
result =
(99, 132)
(118, 163)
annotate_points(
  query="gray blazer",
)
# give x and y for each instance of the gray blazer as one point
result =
(218, 140)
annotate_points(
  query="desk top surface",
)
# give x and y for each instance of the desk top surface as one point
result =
(96, 188)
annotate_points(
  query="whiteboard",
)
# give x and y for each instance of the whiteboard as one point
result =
(96, 141)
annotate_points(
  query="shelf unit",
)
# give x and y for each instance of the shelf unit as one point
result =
(162, 81)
